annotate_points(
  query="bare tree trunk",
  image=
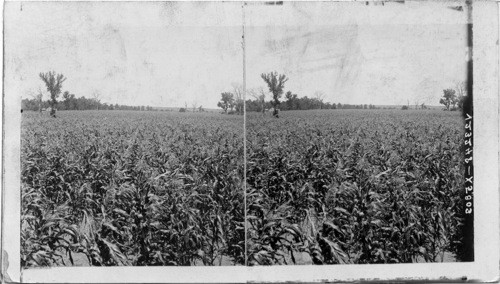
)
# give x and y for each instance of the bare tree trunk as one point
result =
(275, 112)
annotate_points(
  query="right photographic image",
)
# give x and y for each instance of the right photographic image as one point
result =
(358, 132)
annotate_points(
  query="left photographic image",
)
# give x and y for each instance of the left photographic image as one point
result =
(131, 132)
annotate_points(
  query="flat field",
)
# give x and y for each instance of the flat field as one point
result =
(132, 188)
(166, 188)
(354, 186)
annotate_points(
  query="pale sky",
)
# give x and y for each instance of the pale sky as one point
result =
(168, 54)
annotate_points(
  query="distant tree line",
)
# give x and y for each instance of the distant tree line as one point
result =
(293, 102)
(53, 82)
(71, 102)
(232, 102)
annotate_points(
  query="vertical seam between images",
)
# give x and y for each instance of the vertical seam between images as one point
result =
(244, 134)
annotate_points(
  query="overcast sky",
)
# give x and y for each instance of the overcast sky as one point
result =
(168, 54)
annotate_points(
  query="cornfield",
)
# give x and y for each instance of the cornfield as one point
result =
(127, 188)
(163, 188)
(354, 187)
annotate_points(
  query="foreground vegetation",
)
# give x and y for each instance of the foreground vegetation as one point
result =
(166, 188)
(333, 187)
(128, 188)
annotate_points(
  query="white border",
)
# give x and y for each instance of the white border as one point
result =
(484, 268)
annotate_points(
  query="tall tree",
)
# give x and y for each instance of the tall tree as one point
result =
(448, 99)
(53, 82)
(276, 83)
(226, 101)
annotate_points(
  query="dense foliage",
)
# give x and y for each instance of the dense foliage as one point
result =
(293, 102)
(128, 188)
(275, 82)
(53, 82)
(333, 187)
(454, 98)
(71, 102)
(165, 188)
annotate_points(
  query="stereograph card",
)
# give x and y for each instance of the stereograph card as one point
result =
(258, 141)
